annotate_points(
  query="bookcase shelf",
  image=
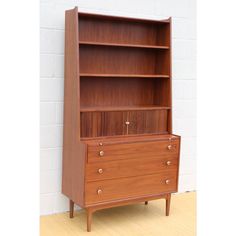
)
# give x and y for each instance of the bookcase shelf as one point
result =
(123, 75)
(122, 108)
(123, 60)
(123, 45)
(116, 32)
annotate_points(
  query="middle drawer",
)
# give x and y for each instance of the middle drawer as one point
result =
(130, 167)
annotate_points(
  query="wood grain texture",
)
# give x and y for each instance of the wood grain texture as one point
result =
(117, 92)
(112, 123)
(113, 60)
(91, 124)
(132, 150)
(73, 150)
(124, 188)
(130, 167)
(142, 122)
(123, 32)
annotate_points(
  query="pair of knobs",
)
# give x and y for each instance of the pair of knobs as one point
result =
(101, 153)
(100, 171)
(99, 191)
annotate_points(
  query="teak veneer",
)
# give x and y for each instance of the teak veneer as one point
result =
(118, 146)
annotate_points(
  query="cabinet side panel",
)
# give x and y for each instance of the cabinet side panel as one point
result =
(169, 31)
(73, 151)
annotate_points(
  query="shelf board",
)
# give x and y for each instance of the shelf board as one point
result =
(123, 45)
(123, 75)
(123, 108)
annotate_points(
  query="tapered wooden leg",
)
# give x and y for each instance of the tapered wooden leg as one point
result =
(146, 202)
(89, 219)
(71, 209)
(168, 197)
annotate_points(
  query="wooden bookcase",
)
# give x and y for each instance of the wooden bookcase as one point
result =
(117, 112)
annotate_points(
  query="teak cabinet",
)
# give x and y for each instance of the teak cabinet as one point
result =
(118, 144)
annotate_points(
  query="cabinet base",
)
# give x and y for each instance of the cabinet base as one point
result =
(91, 209)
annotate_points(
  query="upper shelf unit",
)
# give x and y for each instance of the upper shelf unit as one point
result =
(123, 32)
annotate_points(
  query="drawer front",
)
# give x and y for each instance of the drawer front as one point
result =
(130, 167)
(132, 150)
(110, 190)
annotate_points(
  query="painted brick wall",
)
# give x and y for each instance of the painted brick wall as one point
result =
(51, 83)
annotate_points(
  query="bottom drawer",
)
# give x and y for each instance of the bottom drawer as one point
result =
(115, 189)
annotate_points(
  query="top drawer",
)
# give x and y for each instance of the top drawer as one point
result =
(143, 149)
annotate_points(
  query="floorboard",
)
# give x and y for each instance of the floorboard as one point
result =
(132, 220)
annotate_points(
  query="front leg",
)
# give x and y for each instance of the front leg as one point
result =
(168, 197)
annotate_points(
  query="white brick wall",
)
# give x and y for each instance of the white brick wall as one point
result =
(51, 82)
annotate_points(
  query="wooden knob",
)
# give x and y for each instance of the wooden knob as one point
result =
(167, 181)
(100, 144)
(169, 147)
(99, 191)
(101, 153)
(100, 171)
(127, 122)
(168, 163)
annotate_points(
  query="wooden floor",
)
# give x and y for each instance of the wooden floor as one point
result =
(132, 220)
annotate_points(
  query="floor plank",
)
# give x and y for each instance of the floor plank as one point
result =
(132, 220)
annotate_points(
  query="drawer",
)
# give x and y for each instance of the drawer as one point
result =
(147, 149)
(130, 167)
(110, 190)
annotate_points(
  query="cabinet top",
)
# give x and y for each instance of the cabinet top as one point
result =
(129, 138)
(122, 18)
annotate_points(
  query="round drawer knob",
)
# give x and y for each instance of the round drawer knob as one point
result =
(101, 153)
(127, 122)
(99, 191)
(168, 163)
(169, 147)
(167, 181)
(100, 171)
(100, 144)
